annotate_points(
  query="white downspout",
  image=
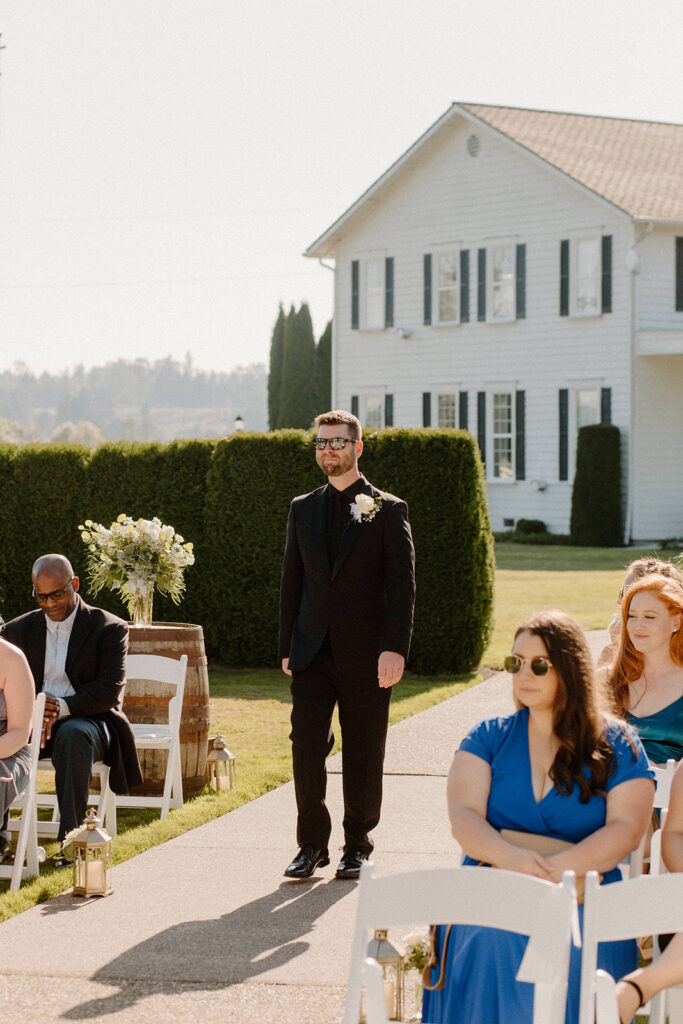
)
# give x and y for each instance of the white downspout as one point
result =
(633, 264)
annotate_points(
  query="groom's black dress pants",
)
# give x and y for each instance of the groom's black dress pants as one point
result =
(363, 717)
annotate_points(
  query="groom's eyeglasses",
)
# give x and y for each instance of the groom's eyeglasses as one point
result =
(54, 595)
(539, 666)
(337, 444)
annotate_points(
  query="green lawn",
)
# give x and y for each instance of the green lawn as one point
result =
(584, 582)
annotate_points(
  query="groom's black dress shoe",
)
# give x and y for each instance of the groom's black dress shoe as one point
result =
(350, 864)
(306, 861)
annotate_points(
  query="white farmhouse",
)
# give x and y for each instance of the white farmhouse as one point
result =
(519, 273)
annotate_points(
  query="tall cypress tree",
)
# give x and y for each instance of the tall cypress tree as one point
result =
(277, 341)
(323, 357)
(298, 391)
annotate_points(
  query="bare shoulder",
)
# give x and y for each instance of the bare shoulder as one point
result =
(11, 657)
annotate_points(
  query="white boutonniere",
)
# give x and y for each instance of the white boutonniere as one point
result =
(365, 507)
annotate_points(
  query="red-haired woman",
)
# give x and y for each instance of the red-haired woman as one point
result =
(646, 677)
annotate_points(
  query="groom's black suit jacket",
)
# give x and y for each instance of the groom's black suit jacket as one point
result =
(96, 668)
(364, 601)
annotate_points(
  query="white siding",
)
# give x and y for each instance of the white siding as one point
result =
(658, 443)
(656, 281)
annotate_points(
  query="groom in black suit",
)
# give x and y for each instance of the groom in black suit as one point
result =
(346, 614)
(77, 654)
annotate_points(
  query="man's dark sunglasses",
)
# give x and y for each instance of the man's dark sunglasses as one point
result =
(337, 444)
(539, 666)
(55, 595)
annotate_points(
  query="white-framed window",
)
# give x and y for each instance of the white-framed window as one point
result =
(373, 293)
(446, 409)
(447, 290)
(501, 281)
(587, 405)
(586, 276)
(373, 411)
(502, 435)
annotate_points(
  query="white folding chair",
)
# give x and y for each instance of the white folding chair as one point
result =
(25, 824)
(482, 896)
(663, 779)
(160, 736)
(642, 906)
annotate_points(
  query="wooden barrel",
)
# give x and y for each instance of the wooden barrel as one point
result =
(147, 701)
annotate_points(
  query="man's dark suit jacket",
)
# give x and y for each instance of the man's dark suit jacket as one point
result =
(96, 668)
(365, 600)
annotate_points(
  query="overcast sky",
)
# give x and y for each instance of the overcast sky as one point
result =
(164, 163)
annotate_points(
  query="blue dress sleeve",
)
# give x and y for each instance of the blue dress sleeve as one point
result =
(631, 759)
(487, 737)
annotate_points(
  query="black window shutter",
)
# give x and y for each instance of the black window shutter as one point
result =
(605, 405)
(481, 284)
(564, 280)
(564, 434)
(354, 405)
(520, 285)
(481, 424)
(679, 275)
(463, 398)
(426, 408)
(428, 288)
(355, 297)
(464, 286)
(607, 273)
(388, 410)
(389, 291)
(520, 435)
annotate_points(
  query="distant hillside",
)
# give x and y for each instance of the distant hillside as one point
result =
(136, 401)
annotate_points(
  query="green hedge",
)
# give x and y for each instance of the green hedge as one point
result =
(596, 496)
(231, 498)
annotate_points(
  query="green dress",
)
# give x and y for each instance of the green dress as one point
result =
(661, 733)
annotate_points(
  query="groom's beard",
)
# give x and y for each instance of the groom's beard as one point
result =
(340, 466)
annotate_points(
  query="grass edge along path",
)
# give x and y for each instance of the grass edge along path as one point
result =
(256, 774)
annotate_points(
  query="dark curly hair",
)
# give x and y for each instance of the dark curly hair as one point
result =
(580, 715)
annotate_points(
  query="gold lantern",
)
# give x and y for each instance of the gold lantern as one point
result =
(391, 961)
(92, 858)
(220, 765)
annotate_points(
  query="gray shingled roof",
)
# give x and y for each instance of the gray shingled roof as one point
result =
(637, 165)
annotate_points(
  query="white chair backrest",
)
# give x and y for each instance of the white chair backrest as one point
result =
(482, 896)
(664, 776)
(606, 1009)
(641, 906)
(164, 670)
(36, 729)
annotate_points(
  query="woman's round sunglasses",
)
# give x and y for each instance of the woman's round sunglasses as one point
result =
(539, 666)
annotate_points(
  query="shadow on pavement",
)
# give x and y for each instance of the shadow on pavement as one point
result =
(216, 953)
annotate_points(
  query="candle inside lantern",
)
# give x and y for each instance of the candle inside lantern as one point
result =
(389, 996)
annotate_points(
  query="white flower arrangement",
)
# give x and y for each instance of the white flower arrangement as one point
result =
(417, 950)
(365, 507)
(134, 557)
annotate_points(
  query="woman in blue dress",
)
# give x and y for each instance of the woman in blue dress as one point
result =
(559, 767)
(647, 674)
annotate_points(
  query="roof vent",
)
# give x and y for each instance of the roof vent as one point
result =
(473, 145)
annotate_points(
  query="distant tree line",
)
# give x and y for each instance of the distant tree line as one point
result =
(299, 379)
(133, 400)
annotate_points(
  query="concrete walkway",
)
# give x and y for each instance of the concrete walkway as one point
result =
(206, 928)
